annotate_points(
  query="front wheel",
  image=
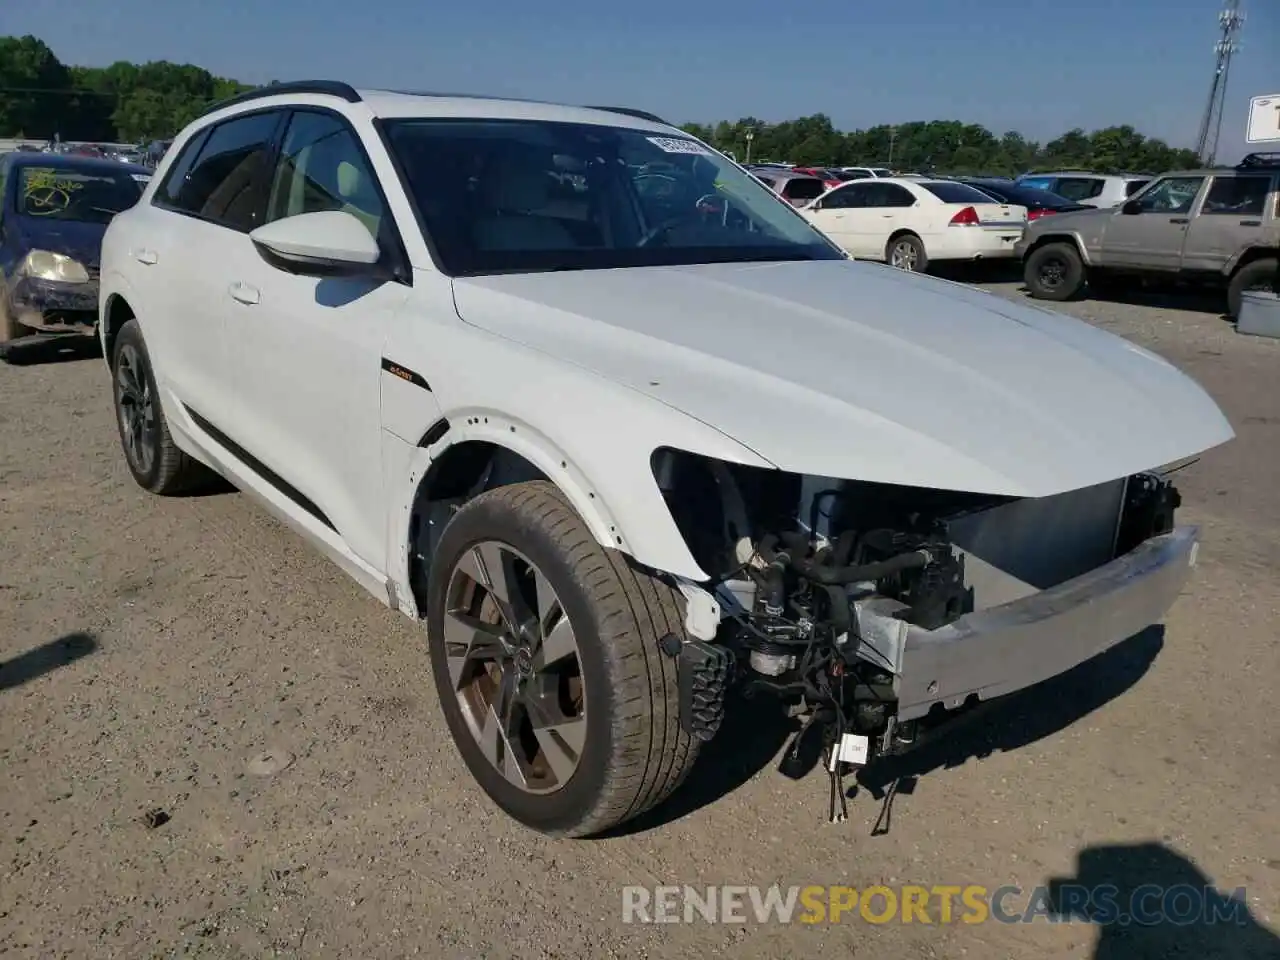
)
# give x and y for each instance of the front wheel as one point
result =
(1054, 272)
(546, 652)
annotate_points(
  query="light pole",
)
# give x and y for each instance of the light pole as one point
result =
(893, 135)
(750, 136)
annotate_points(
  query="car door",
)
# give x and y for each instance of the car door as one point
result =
(1148, 232)
(206, 205)
(889, 207)
(1234, 216)
(308, 350)
(833, 214)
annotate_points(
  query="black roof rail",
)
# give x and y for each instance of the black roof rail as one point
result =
(1266, 158)
(327, 88)
(630, 112)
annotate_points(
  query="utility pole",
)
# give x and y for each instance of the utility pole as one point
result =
(893, 136)
(1230, 20)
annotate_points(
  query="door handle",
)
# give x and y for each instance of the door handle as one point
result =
(244, 293)
(148, 257)
(1179, 219)
(1250, 223)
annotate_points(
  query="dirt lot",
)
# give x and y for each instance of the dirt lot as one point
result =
(156, 650)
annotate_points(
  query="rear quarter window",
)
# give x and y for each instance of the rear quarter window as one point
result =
(1079, 188)
(804, 188)
(1133, 186)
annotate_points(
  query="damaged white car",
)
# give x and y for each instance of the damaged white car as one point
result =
(627, 433)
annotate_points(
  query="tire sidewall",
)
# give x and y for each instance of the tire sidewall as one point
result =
(131, 334)
(487, 518)
(1073, 280)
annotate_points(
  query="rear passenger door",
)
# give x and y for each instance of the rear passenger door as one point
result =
(307, 352)
(1237, 213)
(212, 197)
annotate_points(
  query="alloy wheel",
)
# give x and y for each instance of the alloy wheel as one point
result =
(515, 667)
(903, 256)
(136, 408)
(1053, 273)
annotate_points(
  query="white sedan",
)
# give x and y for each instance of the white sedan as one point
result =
(907, 223)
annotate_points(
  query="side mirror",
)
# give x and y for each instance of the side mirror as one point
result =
(1131, 207)
(330, 243)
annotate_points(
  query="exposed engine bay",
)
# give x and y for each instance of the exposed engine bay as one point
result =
(819, 580)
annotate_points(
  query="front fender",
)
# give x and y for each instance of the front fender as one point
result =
(590, 436)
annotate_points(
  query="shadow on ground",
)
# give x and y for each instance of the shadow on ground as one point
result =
(754, 732)
(1151, 903)
(1016, 720)
(52, 350)
(46, 658)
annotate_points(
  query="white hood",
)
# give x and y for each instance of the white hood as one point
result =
(859, 371)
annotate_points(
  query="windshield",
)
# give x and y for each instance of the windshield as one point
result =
(498, 196)
(70, 193)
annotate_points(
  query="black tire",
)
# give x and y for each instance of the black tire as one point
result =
(908, 250)
(634, 752)
(1054, 272)
(1255, 275)
(166, 470)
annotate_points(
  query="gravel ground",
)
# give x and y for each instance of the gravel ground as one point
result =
(193, 657)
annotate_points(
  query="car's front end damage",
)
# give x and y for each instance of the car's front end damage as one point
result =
(54, 294)
(874, 612)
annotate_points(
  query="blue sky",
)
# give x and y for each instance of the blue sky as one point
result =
(1038, 66)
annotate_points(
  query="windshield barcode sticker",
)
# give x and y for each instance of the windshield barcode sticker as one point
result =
(678, 145)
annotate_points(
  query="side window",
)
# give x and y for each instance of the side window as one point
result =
(896, 196)
(1133, 186)
(323, 167)
(1079, 188)
(173, 183)
(1040, 183)
(1170, 195)
(1238, 196)
(223, 183)
(845, 198)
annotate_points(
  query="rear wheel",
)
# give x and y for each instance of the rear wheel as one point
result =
(906, 252)
(153, 458)
(1257, 275)
(1054, 272)
(545, 648)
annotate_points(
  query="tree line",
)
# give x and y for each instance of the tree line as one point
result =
(40, 96)
(942, 146)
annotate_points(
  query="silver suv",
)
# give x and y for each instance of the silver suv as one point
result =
(1216, 226)
(1091, 189)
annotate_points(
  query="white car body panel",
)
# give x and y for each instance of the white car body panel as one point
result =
(933, 384)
